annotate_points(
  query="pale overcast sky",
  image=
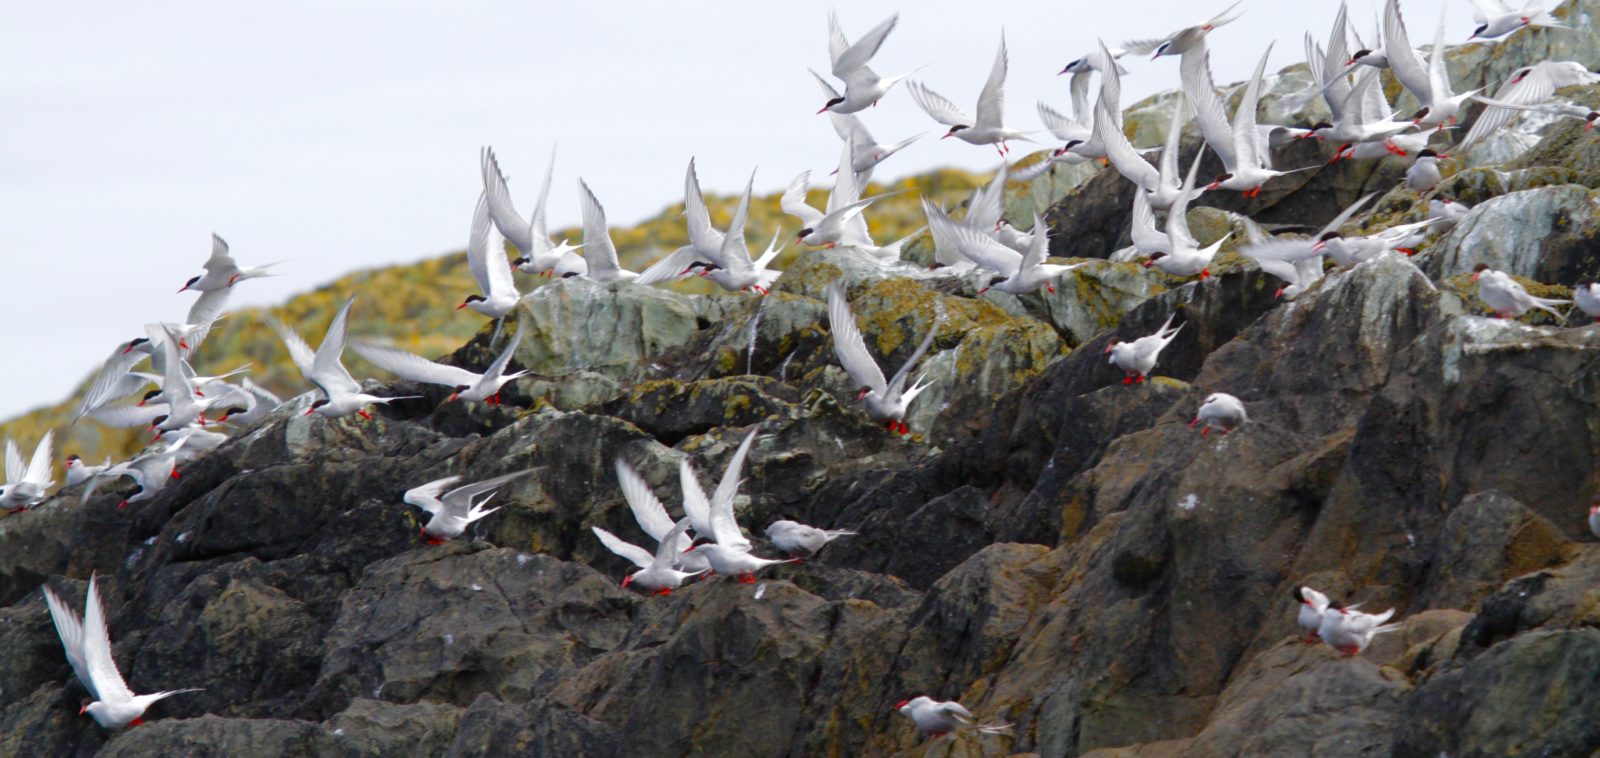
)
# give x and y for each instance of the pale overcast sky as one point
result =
(345, 135)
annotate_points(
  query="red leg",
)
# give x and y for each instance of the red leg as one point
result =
(137, 722)
(1192, 423)
(1127, 380)
(363, 413)
(663, 593)
(1205, 274)
(175, 474)
(1139, 379)
(1205, 431)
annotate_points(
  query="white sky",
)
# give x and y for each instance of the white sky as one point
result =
(337, 136)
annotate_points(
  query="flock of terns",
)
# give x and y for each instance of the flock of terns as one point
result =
(708, 539)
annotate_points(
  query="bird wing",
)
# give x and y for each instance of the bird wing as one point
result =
(724, 524)
(1143, 230)
(39, 466)
(1344, 215)
(16, 468)
(220, 261)
(1483, 9)
(848, 344)
(459, 500)
(501, 210)
(702, 235)
(327, 368)
(127, 416)
(175, 383)
(695, 503)
(938, 106)
(1438, 76)
(1525, 88)
(794, 203)
(1079, 87)
(636, 555)
(1403, 60)
(107, 681)
(1209, 113)
(70, 628)
(1178, 214)
(1127, 160)
(414, 367)
(478, 244)
(426, 496)
(541, 236)
(670, 266)
(1278, 250)
(987, 205)
(845, 190)
(837, 42)
(646, 507)
(673, 543)
(855, 56)
(985, 251)
(992, 100)
(113, 382)
(1246, 138)
(261, 394)
(1111, 91)
(735, 253)
(1169, 152)
(1038, 247)
(945, 250)
(598, 248)
(1062, 127)
(299, 352)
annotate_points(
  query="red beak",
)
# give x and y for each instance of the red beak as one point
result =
(1476, 274)
(627, 579)
(310, 411)
(824, 110)
(184, 287)
(459, 307)
(863, 392)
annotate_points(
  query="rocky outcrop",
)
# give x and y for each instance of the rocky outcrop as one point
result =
(1052, 547)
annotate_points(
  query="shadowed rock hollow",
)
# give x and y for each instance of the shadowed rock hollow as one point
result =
(1051, 547)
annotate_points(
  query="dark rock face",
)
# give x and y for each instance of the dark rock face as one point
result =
(1055, 549)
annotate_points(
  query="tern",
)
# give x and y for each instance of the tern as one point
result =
(150, 471)
(656, 573)
(1445, 213)
(88, 648)
(987, 128)
(1351, 251)
(1017, 274)
(79, 472)
(1101, 59)
(1507, 297)
(1297, 261)
(1587, 296)
(652, 516)
(722, 258)
(1423, 175)
(936, 719)
(1350, 631)
(25, 485)
(1186, 258)
(1184, 39)
(1312, 605)
(221, 270)
(1138, 358)
(1531, 89)
(800, 540)
(886, 400)
(539, 254)
(486, 258)
(249, 404)
(598, 249)
(866, 152)
(729, 552)
(1160, 183)
(842, 222)
(1429, 83)
(1496, 18)
(464, 384)
(862, 86)
(341, 392)
(1220, 411)
(1246, 162)
(457, 508)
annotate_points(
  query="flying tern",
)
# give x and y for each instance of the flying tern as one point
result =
(465, 384)
(652, 516)
(866, 153)
(222, 271)
(886, 400)
(1186, 258)
(1138, 358)
(1496, 18)
(455, 508)
(1507, 297)
(862, 86)
(1183, 40)
(342, 394)
(1430, 82)
(987, 128)
(486, 258)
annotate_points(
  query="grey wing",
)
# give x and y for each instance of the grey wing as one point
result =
(669, 267)
(598, 248)
(723, 522)
(128, 416)
(206, 309)
(220, 260)
(478, 245)
(327, 367)
(857, 55)
(992, 100)
(1403, 60)
(848, 344)
(299, 351)
(794, 202)
(462, 497)
(938, 106)
(108, 683)
(702, 234)
(636, 555)
(642, 502)
(43, 456)
(70, 628)
(673, 543)
(735, 252)
(426, 496)
(414, 367)
(501, 210)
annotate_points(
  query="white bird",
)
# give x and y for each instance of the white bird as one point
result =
(25, 485)
(729, 552)
(1363, 117)
(1350, 631)
(1245, 158)
(841, 223)
(1423, 175)
(1186, 257)
(1138, 358)
(456, 509)
(1183, 40)
(987, 128)
(1101, 59)
(116, 379)
(1015, 274)
(88, 648)
(652, 516)
(1071, 131)
(801, 540)
(1400, 145)
(941, 227)
(222, 271)
(198, 322)
(722, 258)
(1587, 296)
(862, 86)
(657, 573)
(1507, 297)
(539, 254)
(936, 719)
(1220, 411)
(342, 394)
(866, 153)
(465, 384)
(1496, 18)
(1162, 182)
(1528, 90)
(486, 258)
(1446, 213)
(248, 404)
(1312, 605)
(79, 472)
(184, 405)
(1147, 237)
(1429, 83)
(1351, 251)
(151, 471)
(1107, 122)
(194, 441)
(598, 248)
(1298, 260)
(886, 400)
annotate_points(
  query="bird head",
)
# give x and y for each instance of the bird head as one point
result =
(314, 406)
(456, 391)
(627, 579)
(863, 393)
(469, 301)
(148, 396)
(1151, 261)
(1066, 148)
(901, 704)
(1416, 118)
(830, 104)
(190, 283)
(1358, 56)
(954, 129)
(134, 343)
(1480, 30)
(801, 235)
(1112, 347)
(1322, 242)
(1588, 121)
(521, 260)
(1478, 270)
(157, 421)
(229, 412)
(1217, 182)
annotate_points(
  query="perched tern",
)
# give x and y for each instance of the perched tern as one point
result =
(465, 384)
(936, 719)
(88, 647)
(1186, 258)
(539, 254)
(79, 472)
(862, 86)
(457, 508)
(1312, 605)
(987, 128)
(1445, 213)
(800, 540)
(887, 400)
(598, 248)
(221, 270)
(1507, 297)
(1220, 411)
(150, 471)
(1496, 18)
(1351, 251)
(1138, 358)
(1423, 175)
(1587, 296)
(25, 485)
(341, 392)
(1350, 631)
